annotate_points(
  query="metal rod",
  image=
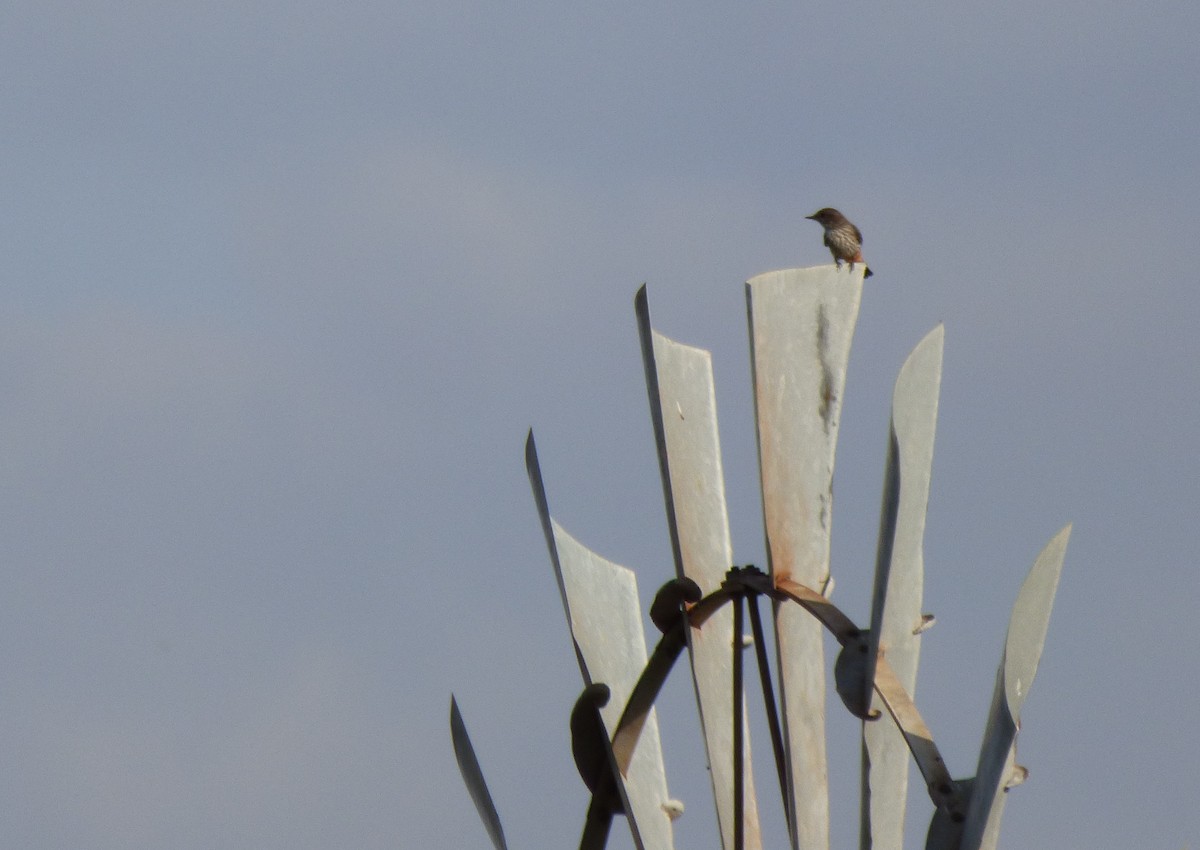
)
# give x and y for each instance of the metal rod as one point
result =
(739, 779)
(645, 692)
(597, 825)
(772, 708)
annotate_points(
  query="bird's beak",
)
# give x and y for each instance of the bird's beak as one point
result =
(812, 217)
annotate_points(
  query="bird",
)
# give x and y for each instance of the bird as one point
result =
(842, 238)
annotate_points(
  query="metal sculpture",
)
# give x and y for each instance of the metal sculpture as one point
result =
(801, 326)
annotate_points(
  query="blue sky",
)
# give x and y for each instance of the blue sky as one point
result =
(286, 283)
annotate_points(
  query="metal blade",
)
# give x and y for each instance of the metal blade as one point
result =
(1022, 652)
(468, 766)
(683, 408)
(801, 326)
(600, 599)
(899, 579)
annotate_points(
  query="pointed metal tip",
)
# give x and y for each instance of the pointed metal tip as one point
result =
(936, 338)
(472, 775)
(1030, 620)
(531, 458)
(641, 308)
(457, 725)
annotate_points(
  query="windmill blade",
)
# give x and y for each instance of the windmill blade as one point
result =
(896, 617)
(683, 409)
(600, 599)
(1022, 652)
(468, 766)
(801, 325)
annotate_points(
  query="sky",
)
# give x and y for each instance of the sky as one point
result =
(286, 284)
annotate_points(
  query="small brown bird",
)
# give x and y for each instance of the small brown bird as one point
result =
(842, 238)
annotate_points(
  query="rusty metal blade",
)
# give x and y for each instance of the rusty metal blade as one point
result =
(683, 408)
(801, 326)
(601, 603)
(899, 579)
(468, 766)
(1022, 651)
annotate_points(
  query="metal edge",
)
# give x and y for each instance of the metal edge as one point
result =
(472, 774)
(641, 308)
(533, 469)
